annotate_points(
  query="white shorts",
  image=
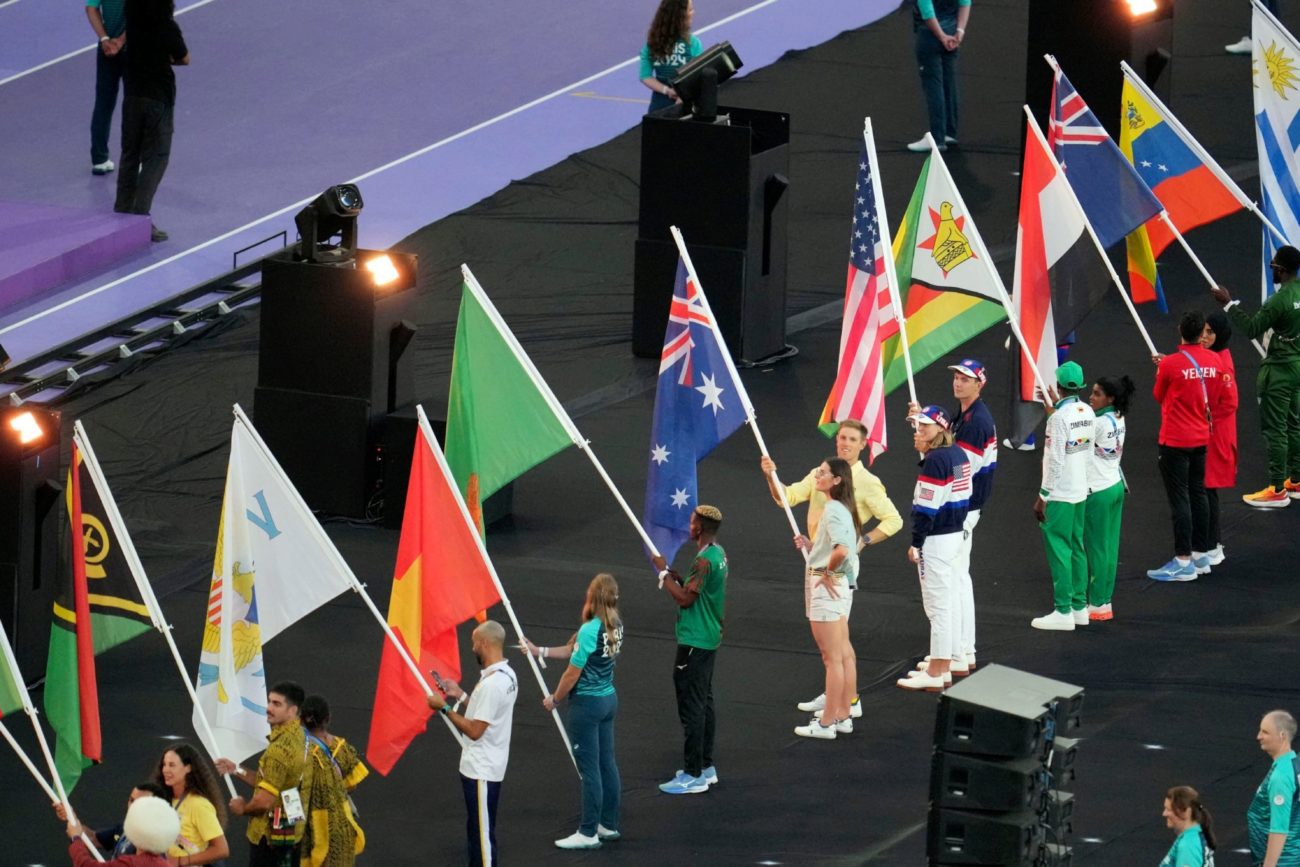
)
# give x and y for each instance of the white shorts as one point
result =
(819, 606)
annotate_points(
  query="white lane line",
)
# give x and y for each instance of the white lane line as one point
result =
(92, 47)
(385, 167)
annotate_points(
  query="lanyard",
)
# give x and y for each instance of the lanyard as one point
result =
(1205, 394)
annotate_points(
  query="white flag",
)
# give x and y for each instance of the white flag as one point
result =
(274, 565)
(1277, 115)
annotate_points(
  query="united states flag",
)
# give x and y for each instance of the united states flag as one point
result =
(1114, 197)
(859, 390)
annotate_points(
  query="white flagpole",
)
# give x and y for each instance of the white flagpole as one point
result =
(977, 242)
(342, 565)
(735, 377)
(891, 272)
(1201, 153)
(45, 786)
(132, 558)
(7, 651)
(431, 441)
(1074, 200)
(549, 396)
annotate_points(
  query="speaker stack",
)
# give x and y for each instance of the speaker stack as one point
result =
(1003, 751)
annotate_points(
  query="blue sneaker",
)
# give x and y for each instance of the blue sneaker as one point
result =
(684, 784)
(710, 775)
(1201, 562)
(1173, 571)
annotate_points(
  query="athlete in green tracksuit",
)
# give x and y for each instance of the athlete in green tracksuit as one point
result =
(1278, 386)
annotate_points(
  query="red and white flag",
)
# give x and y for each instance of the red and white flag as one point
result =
(869, 319)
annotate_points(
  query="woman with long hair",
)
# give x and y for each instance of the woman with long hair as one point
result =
(940, 503)
(828, 598)
(668, 46)
(1221, 456)
(1109, 399)
(1195, 844)
(333, 838)
(191, 781)
(592, 652)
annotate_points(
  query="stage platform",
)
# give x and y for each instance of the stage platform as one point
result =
(1175, 685)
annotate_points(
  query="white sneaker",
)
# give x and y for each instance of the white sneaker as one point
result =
(817, 731)
(1023, 447)
(603, 833)
(950, 139)
(819, 703)
(1080, 616)
(970, 661)
(1241, 46)
(953, 670)
(921, 146)
(855, 710)
(1216, 555)
(918, 680)
(1055, 620)
(1101, 612)
(578, 840)
(843, 727)
(102, 168)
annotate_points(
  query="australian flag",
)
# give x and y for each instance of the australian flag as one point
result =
(1114, 197)
(697, 405)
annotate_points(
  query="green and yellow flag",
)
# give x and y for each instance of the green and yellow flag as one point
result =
(502, 418)
(99, 606)
(11, 689)
(947, 289)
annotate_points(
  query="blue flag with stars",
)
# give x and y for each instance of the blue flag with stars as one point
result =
(697, 406)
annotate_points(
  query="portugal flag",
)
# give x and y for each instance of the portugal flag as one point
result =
(442, 579)
(99, 606)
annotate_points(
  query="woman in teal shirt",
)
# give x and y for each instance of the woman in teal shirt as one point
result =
(592, 652)
(1195, 844)
(669, 46)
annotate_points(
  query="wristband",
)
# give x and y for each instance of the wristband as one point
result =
(543, 653)
(961, 31)
(103, 39)
(444, 710)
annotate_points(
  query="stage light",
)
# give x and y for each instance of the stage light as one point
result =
(1138, 8)
(382, 269)
(333, 213)
(29, 430)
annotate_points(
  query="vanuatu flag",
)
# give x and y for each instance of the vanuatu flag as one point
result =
(947, 286)
(99, 606)
(502, 418)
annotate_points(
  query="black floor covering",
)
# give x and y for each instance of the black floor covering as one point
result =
(1175, 684)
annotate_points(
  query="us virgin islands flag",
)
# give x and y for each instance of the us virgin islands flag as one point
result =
(1276, 69)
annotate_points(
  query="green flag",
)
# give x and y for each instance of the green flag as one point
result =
(502, 418)
(11, 691)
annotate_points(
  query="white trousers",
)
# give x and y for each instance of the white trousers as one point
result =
(938, 574)
(964, 604)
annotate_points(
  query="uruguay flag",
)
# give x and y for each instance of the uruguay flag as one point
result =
(1277, 127)
(698, 404)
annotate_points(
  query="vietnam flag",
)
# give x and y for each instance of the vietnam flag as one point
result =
(442, 579)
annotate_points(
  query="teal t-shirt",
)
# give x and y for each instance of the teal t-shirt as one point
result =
(836, 528)
(700, 625)
(1189, 850)
(665, 68)
(1272, 811)
(595, 655)
(113, 13)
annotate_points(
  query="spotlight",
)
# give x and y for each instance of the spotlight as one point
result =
(333, 213)
(1138, 8)
(382, 269)
(28, 429)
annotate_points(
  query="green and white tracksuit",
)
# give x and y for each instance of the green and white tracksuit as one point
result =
(1278, 385)
(1105, 505)
(1066, 455)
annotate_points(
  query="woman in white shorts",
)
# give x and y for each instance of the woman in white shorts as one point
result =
(832, 568)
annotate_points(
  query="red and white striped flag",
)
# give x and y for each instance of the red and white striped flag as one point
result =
(869, 320)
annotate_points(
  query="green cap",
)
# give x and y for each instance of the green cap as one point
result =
(1069, 375)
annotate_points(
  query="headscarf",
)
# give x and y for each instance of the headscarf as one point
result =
(1222, 328)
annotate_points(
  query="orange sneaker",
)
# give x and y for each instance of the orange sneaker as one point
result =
(1292, 489)
(1269, 498)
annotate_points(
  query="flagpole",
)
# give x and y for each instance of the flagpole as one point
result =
(735, 377)
(36, 775)
(891, 270)
(342, 565)
(7, 651)
(133, 562)
(426, 431)
(575, 436)
(977, 242)
(1074, 200)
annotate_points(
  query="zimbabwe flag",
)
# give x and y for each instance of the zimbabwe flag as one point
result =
(99, 606)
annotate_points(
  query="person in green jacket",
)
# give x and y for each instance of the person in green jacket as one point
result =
(1278, 386)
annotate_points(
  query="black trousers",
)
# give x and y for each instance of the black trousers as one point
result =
(146, 148)
(1214, 533)
(263, 854)
(693, 679)
(1183, 471)
(108, 78)
(481, 798)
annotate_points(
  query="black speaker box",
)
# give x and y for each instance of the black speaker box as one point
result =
(959, 837)
(966, 782)
(1064, 753)
(990, 725)
(1054, 855)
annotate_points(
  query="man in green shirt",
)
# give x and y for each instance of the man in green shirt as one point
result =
(1278, 385)
(1273, 822)
(701, 603)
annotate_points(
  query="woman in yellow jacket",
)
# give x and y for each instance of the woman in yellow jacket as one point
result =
(333, 837)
